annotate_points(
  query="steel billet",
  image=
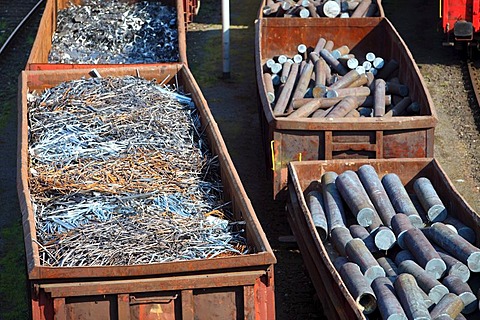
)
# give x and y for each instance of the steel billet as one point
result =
(432, 287)
(448, 308)
(115, 32)
(403, 255)
(340, 236)
(333, 201)
(455, 245)
(351, 189)
(315, 205)
(357, 231)
(400, 199)
(425, 254)
(463, 230)
(389, 266)
(410, 297)
(357, 285)
(429, 199)
(384, 238)
(388, 304)
(401, 224)
(454, 267)
(463, 291)
(358, 253)
(375, 190)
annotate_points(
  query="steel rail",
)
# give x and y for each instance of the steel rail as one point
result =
(12, 35)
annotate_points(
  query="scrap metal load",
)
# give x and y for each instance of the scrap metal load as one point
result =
(121, 174)
(328, 82)
(403, 253)
(321, 8)
(115, 32)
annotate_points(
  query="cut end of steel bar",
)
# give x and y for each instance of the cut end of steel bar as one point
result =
(367, 302)
(436, 268)
(365, 217)
(473, 261)
(437, 213)
(373, 273)
(416, 221)
(385, 239)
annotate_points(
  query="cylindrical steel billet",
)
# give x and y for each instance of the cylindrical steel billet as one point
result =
(454, 267)
(358, 253)
(340, 236)
(343, 107)
(313, 56)
(460, 317)
(276, 68)
(399, 108)
(365, 112)
(267, 78)
(451, 305)
(286, 67)
(389, 266)
(367, 65)
(305, 110)
(320, 45)
(361, 81)
(425, 254)
(333, 201)
(286, 92)
(361, 9)
(275, 80)
(403, 255)
(301, 48)
(297, 58)
(315, 205)
(400, 199)
(410, 297)
(351, 189)
(334, 63)
(376, 223)
(419, 207)
(352, 63)
(429, 199)
(397, 89)
(463, 291)
(340, 51)
(345, 92)
(454, 245)
(388, 304)
(358, 286)
(353, 113)
(329, 46)
(303, 81)
(379, 94)
(328, 102)
(463, 230)
(414, 108)
(320, 113)
(312, 10)
(375, 190)
(400, 224)
(346, 80)
(320, 78)
(282, 59)
(378, 63)
(428, 301)
(270, 63)
(388, 69)
(432, 287)
(357, 231)
(329, 9)
(384, 238)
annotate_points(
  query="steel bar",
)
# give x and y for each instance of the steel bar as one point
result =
(315, 205)
(379, 94)
(267, 77)
(384, 238)
(403, 255)
(399, 108)
(432, 287)
(463, 230)
(388, 304)
(455, 245)
(410, 297)
(425, 254)
(333, 201)
(375, 190)
(463, 291)
(357, 252)
(388, 69)
(450, 306)
(389, 266)
(352, 191)
(454, 267)
(340, 236)
(286, 92)
(429, 199)
(346, 80)
(400, 199)
(357, 285)
(357, 231)
(400, 225)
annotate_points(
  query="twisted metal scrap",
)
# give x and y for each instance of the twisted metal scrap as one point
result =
(120, 174)
(113, 31)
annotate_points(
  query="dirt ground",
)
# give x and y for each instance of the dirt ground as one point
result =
(235, 107)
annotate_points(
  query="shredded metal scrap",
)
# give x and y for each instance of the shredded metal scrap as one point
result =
(115, 32)
(120, 174)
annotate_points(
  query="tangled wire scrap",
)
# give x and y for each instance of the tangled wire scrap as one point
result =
(121, 174)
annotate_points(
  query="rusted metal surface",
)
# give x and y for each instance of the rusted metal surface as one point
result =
(243, 284)
(191, 8)
(319, 255)
(38, 59)
(303, 139)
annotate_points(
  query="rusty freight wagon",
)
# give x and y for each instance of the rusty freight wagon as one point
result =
(321, 9)
(287, 138)
(319, 254)
(191, 9)
(137, 35)
(228, 286)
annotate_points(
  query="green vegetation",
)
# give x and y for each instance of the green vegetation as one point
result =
(13, 274)
(3, 31)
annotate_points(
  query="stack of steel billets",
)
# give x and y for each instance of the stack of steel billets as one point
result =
(329, 82)
(321, 8)
(121, 174)
(115, 32)
(401, 253)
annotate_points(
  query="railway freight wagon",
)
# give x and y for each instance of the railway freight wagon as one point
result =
(320, 9)
(191, 9)
(460, 22)
(296, 123)
(224, 286)
(324, 247)
(109, 33)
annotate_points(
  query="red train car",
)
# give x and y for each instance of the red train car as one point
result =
(461, 22)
